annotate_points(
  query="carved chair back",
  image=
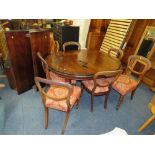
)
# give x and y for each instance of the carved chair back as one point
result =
(106, 75)
(49, 84)
(138, 65)
(44, 65)
(71, 43)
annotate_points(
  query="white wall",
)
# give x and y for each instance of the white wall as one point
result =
(84, 27)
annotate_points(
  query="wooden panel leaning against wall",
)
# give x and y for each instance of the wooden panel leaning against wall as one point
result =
(96, 33)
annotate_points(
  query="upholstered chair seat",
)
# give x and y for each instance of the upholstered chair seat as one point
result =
(60, 96)
(60, 92)
(89, 84)
(124, 84)
(56, 77)
(100, 85)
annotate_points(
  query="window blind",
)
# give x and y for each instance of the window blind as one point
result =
(116, 34)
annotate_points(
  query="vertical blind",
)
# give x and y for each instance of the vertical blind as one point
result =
(116, 34)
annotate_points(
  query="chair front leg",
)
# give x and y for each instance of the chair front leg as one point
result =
(106, 100)
(78, 103)
(82, 87)
(120, 100)
(132, 93)
(46, 117)
(65, 121)
(92, 102)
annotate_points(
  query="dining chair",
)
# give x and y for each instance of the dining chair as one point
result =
(114, 52)
(151, 106)
(100, 85)
(49, 74)
(59, 96)
(70, 43)
(126, 82)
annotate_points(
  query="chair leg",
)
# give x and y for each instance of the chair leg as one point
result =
(65, 122)
(78, 104)
(132, 94)
(120, 100)
(105, 101)
(92, 102)
(46, 117)
(82, 89)
(142, 127)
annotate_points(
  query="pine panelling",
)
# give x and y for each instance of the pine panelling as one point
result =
(115, 35)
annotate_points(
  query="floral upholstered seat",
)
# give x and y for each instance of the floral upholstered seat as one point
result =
(59, 96)
(90, 84)
(56, 77)
(60, 92)
(100, 85)
(124, 84)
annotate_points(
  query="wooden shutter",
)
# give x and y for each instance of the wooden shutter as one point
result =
(116, 34)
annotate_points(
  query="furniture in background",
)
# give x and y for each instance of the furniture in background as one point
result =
(125, 83)
(71, 43)
(20, 71)
(81, 65)
(151, 106)
(100, 85)
(146, 48)
(64, 34)
(59, 96)
(97, 30)
(49, 75)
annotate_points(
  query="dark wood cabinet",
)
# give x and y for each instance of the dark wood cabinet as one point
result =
(65, 33)
(21, 59)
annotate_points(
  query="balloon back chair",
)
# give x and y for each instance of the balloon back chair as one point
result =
(100, 85)
(49, 74)
(114, 52)
(126, 82)
(59, 96)
(71, 43)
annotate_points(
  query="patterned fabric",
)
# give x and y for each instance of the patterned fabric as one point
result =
(124, 84)
(90, 84)
(57, 78)
(59, 92)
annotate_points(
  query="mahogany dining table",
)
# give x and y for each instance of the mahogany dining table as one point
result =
(82, 64)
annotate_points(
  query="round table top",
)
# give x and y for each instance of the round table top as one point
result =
(81, 64)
